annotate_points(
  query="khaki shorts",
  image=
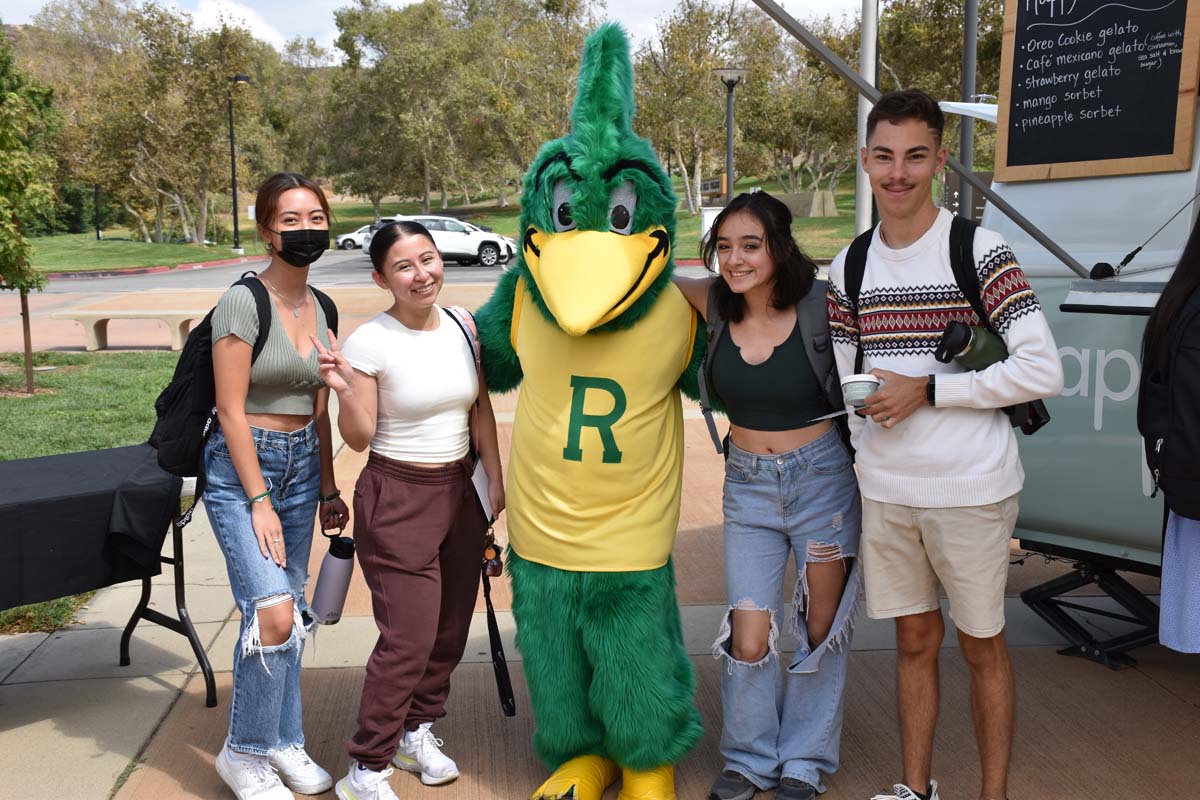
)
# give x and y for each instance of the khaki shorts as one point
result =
(907, 551)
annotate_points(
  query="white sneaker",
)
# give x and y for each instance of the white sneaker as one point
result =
(250, 776)
(365, 784)
(419, 751)
(902, 792)
(299, 772)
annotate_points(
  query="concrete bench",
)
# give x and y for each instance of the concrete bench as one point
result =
(95, 322)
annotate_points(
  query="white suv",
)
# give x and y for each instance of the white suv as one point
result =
(466, 243)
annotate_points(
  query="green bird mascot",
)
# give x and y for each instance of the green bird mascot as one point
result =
(600, 341)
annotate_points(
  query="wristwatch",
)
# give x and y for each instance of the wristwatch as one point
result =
(930, 391)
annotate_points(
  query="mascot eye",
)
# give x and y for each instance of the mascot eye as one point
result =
(561, 208)
(622, 203)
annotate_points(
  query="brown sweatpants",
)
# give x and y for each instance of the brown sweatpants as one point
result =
(419, 536)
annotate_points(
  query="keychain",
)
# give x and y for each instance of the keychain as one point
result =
(493, 566)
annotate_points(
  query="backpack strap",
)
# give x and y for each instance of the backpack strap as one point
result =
(466, 323)
(712, 332)
(329, 307)
(813, 318)
(966, 272)
(852, 275)
(262, 303)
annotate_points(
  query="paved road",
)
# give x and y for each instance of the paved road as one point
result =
(335, 268)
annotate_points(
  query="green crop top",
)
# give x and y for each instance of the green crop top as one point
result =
(280, 381)
(780, 394)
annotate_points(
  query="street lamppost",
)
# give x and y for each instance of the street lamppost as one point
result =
(731, 77)
(234, 80)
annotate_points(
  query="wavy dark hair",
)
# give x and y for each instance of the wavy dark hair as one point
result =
(906, 104)
(1184, 282)
(794, 271)
(389, 234)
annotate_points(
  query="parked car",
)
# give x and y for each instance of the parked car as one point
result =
(352, 240)
(374, 226)
(467, 243)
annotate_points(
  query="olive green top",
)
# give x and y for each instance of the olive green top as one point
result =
(281, 382)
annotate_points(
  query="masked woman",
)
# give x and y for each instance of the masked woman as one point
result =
(269, 468)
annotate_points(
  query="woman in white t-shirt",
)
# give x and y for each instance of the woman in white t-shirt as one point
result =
(407, 383)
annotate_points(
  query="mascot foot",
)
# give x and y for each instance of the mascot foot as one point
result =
(581, 778)
(653, 784)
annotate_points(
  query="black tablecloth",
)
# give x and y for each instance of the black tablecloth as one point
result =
(81, 521)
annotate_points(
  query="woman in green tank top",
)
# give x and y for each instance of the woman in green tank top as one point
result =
(269, 468)
(789, 489)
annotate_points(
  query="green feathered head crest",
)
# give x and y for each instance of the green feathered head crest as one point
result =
(598, 212)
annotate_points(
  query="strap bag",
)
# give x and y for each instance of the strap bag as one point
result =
(1029, 416)
(186, 409)
(492, 564)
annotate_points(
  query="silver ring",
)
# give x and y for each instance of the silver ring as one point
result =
(277, 540)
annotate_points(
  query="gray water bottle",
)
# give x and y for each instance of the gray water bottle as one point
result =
(333, 581)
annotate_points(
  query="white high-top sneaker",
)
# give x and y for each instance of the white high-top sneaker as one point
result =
(250, 776)
(365, 784)
(420, 751)
(299, 772)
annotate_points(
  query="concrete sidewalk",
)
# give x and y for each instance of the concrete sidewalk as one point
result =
(75, 724)
(142, 731)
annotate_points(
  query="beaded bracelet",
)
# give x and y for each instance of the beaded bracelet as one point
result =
(329, 498)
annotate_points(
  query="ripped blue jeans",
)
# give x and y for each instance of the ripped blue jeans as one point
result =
(264, 711)
(787, 723)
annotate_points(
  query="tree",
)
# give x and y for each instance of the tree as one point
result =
(680, 101)
(26, 118)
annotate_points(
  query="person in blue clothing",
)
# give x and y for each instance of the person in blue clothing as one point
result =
(1169, 419)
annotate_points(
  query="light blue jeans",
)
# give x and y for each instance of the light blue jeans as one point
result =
(804, 502)
(264, 712)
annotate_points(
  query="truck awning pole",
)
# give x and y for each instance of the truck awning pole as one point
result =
(868, 47)
(868, 91)
(966, 138)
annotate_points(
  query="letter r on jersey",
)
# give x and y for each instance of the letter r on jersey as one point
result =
(603, 423)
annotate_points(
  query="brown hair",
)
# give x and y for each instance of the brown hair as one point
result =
(794, 271)
(907, 104)
(266, 204)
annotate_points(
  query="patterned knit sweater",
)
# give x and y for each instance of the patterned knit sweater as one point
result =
(962, 451)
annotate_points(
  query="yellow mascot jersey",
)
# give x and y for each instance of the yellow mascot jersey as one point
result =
(596, 462)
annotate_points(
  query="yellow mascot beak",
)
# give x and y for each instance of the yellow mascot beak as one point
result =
(588, 278)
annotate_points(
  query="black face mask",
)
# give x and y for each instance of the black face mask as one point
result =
(303, 247)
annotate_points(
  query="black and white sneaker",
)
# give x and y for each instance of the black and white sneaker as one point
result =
(902, 792)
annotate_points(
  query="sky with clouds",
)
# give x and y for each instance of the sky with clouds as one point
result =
(276, 21)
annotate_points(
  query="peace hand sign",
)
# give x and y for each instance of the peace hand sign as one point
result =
(334, 369)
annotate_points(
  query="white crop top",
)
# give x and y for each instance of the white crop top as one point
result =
(427, 383)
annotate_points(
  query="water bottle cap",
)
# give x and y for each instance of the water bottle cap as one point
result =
(340, 546)
(955, 340)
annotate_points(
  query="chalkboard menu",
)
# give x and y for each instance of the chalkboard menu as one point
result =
(1097, 87)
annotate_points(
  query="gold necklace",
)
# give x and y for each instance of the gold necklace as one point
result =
(295, 307)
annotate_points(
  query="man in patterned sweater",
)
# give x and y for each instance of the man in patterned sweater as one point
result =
(937, 459)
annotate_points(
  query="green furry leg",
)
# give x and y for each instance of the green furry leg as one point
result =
(605, 664)
(642, 678)
(546, 607)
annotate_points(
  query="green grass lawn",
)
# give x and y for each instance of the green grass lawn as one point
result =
(819, 237)
(91, 401)
(80, 252)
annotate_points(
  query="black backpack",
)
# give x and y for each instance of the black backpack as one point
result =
(186, 408)
(1168, 414)
(1030, 416)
